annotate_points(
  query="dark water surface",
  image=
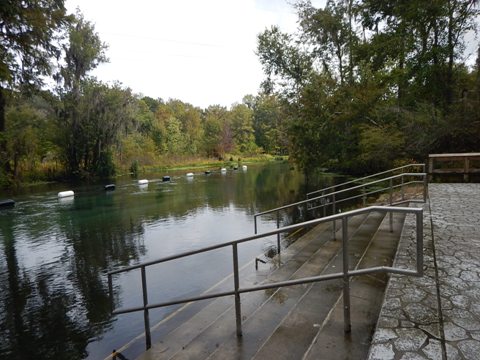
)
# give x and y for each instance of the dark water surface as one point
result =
(55, 253)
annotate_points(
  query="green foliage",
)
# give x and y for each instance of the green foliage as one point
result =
(380, 146)
(30, 133)
(174, 136)
(382, 83)
(217, 139)
(134, 168)
(29, 35)
(93, 113)
(242, 128)
(136, 148)
(286, 65)
(269, 124)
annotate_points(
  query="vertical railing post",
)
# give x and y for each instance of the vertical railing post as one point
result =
(425, 187)
(324, 201)
(236, 283)
(334, 211)
(466, 168)
(390, 213)
(146, 318)
(305, 218)
(364, 197)
(402, 189)
(346, 281)
(278, 234)
(419, 223)
(255, 222)
(430, 168)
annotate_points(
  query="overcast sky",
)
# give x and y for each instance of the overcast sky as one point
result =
(201, 52)
(198, 51)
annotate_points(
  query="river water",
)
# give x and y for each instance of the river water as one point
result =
(55, 253)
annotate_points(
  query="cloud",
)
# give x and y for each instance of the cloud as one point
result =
(201, 52)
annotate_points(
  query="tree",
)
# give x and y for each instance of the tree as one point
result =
(420, 41)
(104, 112)
(286, 65)
(242, 128)
(217, 138)
(329, 32)
(29, 30)
(375, 69)
(30, 132)
(174, 136)
(190, 125)
(269, 123)
(83, 53)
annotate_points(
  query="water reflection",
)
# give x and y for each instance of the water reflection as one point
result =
(55, 252)
(32, 311)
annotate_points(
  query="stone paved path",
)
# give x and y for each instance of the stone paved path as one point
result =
(436, 316)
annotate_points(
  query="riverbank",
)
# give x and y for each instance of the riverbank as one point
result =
(48, 176)
(228, 161)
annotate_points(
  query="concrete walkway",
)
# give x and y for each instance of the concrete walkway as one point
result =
(436, 316)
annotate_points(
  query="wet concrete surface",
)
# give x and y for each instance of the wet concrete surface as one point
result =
(436, 316)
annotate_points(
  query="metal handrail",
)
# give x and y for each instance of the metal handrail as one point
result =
(366, 177)
(325, 198)
(345, 274)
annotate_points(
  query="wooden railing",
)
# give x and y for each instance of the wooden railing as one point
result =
(459, 163)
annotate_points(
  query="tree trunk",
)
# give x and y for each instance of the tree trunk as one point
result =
(350, 45)
(4, 162)
(451, 49)
(2, 110)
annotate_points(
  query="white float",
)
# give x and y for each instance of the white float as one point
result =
(223, 170)
(244, 167)
(64, 194)
(190, 174)
(143, 182)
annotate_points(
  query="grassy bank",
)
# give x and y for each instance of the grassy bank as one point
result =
(53, 173)
(186, 163)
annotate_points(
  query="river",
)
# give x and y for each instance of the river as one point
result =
(55, 253)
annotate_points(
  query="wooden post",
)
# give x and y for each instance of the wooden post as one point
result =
(466, 169)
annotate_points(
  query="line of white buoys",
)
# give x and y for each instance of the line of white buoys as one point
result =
(63, 194)
(143, 182)
(190, 174)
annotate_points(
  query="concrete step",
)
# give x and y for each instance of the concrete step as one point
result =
(220, 311)
(366, 301)
(287, 334)
(291, 258)
(249, 276)
(264, 317)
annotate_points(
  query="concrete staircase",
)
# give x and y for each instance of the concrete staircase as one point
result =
(301, 321)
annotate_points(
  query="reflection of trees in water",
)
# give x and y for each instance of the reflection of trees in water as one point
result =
(259, 188)
(53, 313)
(36, 319)
(317, 180)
